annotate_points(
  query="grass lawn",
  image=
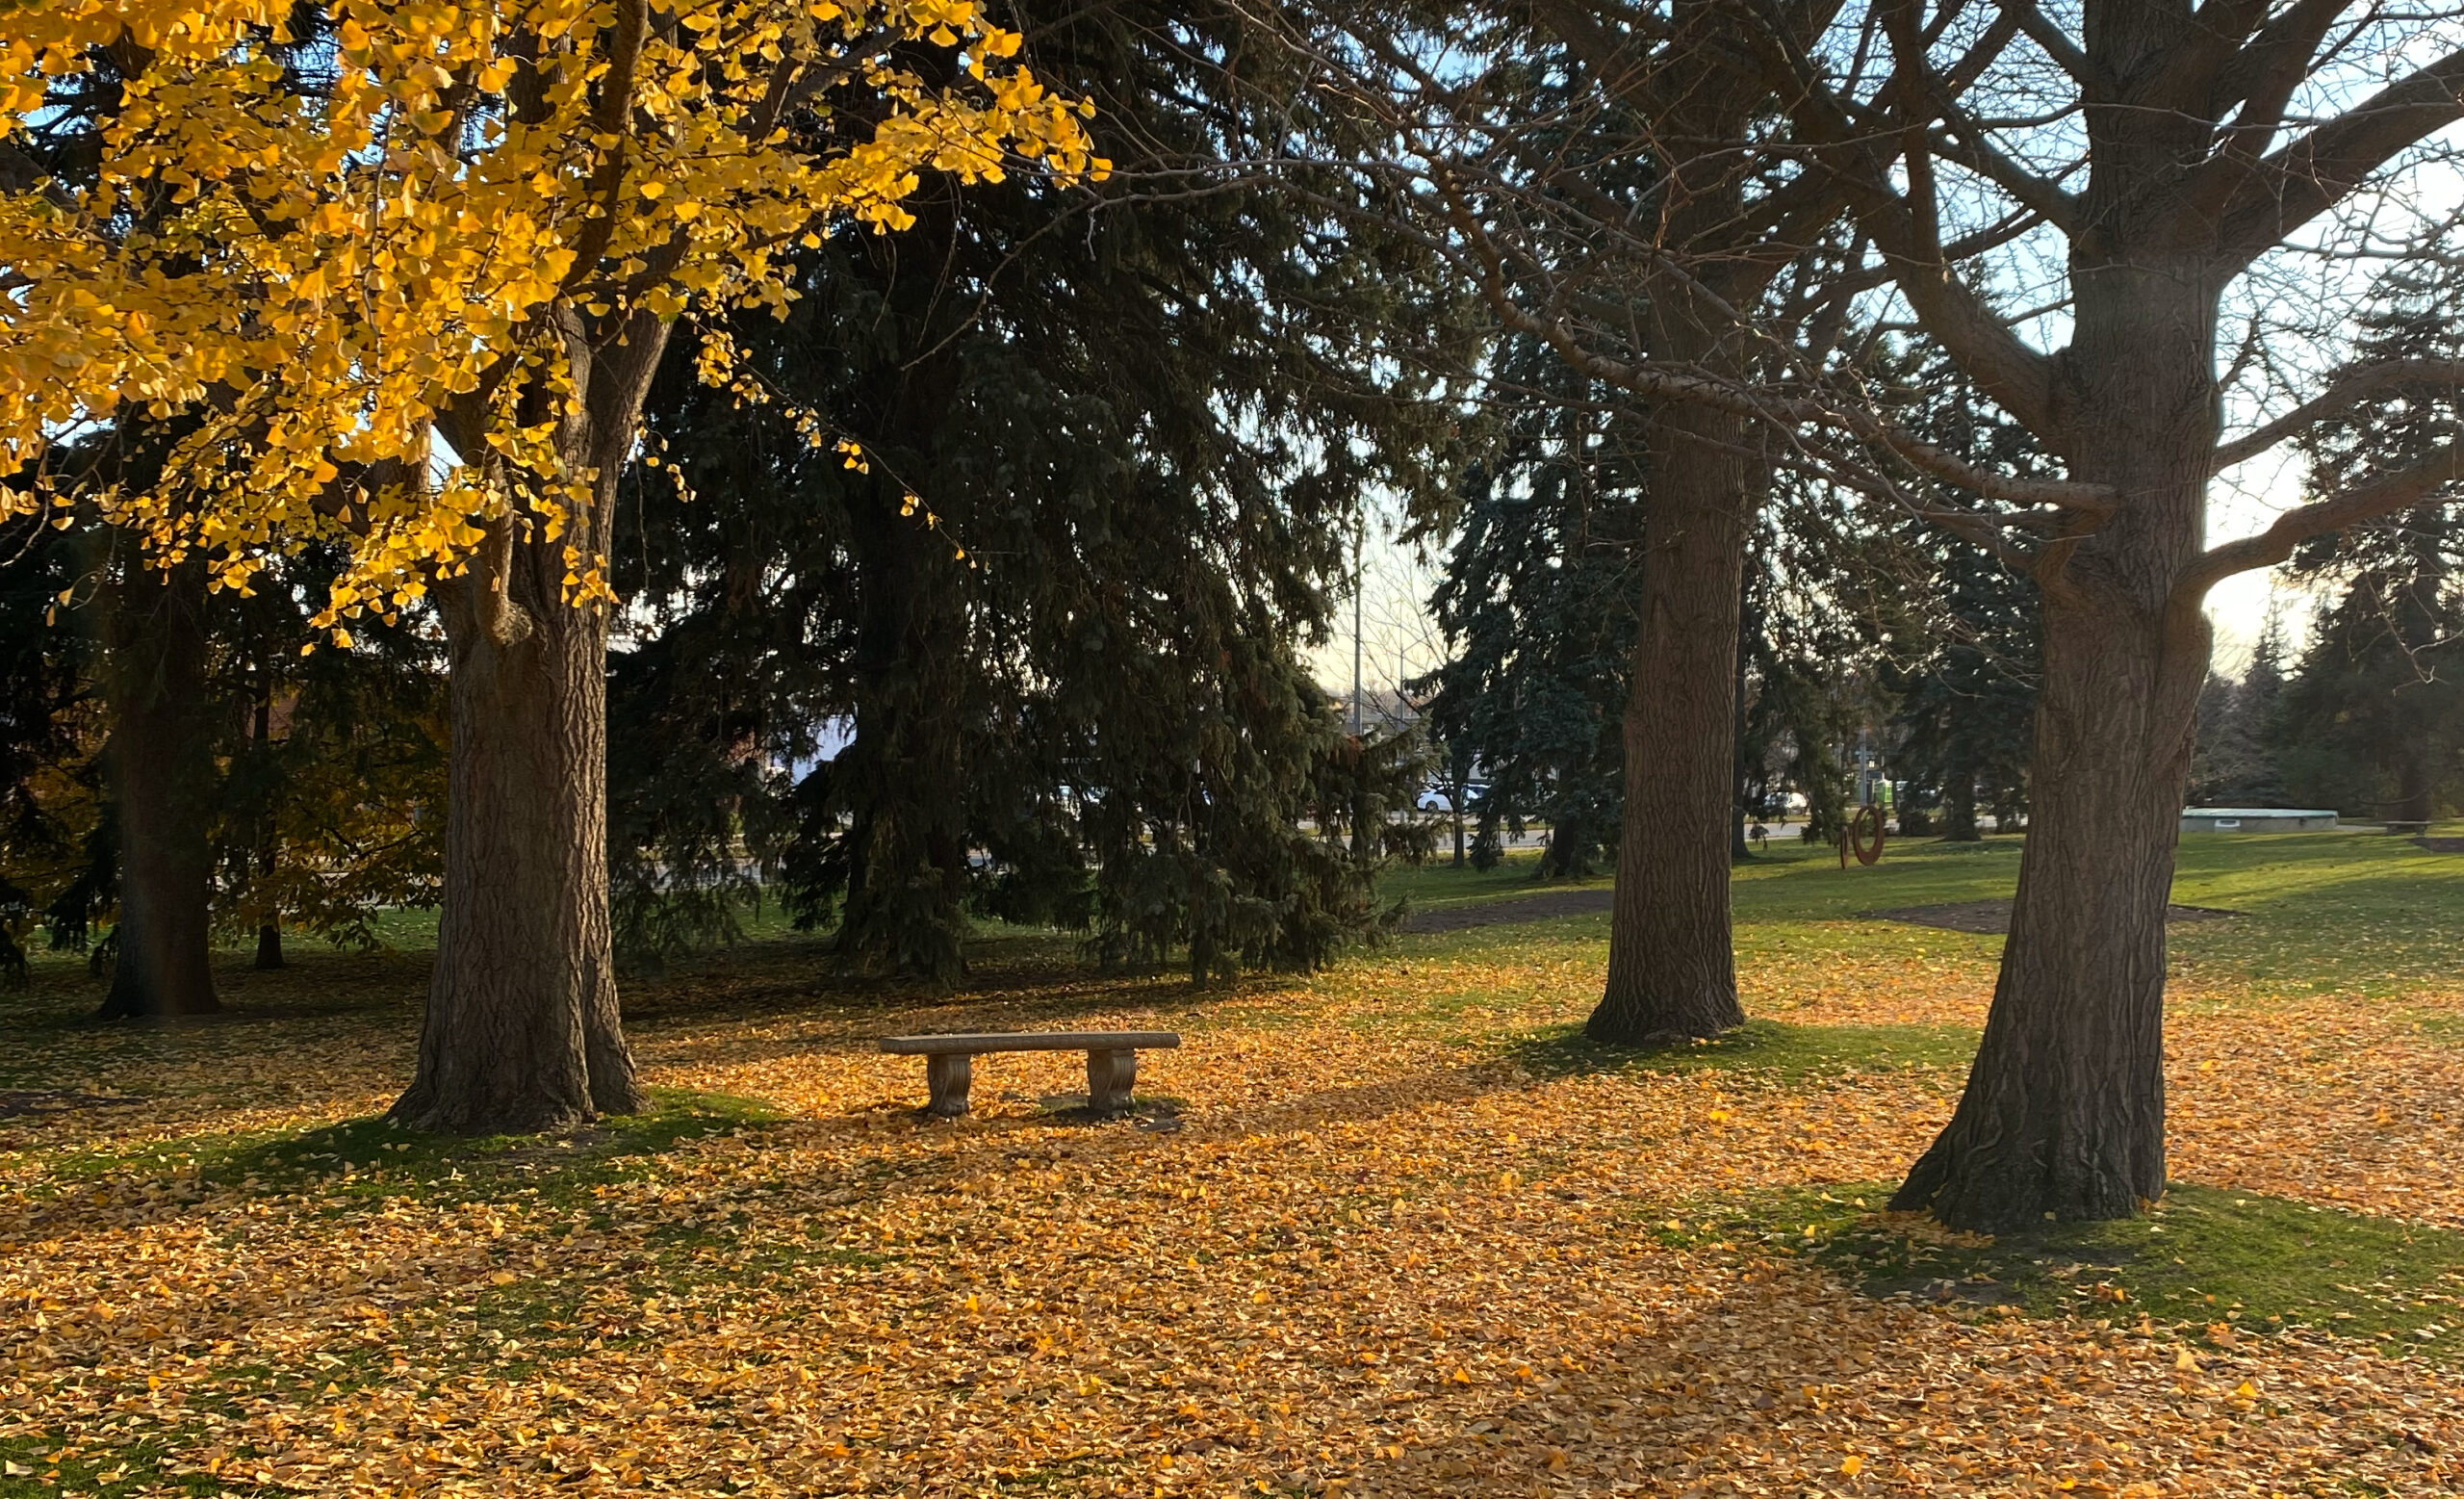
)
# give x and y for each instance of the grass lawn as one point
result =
(1395, 1228)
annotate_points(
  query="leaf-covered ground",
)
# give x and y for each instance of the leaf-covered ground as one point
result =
(1390, 1230)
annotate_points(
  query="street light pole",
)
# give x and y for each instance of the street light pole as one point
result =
(1356, 540)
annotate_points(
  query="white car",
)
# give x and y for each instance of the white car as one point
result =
(1433, 798)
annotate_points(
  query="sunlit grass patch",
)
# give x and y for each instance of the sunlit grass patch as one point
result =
(1788, 1053)
(2216, 1266)
(32, 1466)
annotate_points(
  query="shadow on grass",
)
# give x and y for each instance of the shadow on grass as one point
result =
(1776, 1047)
(2225, 1265)
(522, 1299)
(364, 1162)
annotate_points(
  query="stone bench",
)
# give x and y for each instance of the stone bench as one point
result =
(1112, 1061)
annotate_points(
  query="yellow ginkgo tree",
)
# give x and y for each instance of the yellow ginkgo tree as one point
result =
(395, 277)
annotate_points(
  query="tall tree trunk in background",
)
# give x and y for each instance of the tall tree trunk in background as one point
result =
(523, 1031)
(1748, 624)
(1959, 803)
(903, 778)
(268, 931)
(162, 773)
(2064, 1114)
(902, 781)
(1671, 969)
(2415, 778)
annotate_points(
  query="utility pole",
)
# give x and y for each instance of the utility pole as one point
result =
(1357, 537)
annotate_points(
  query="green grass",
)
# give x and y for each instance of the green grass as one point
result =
(1441, 883)
(2253, 1263)
(1783, 1051)
(31, 1466)
(2342, 910)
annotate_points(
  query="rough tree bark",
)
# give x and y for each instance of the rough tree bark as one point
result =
(903, 777)
(2064, 1114)
(522, 1032)
(1671, 968)
(162, 772)
(268, 931)
(1959, 803)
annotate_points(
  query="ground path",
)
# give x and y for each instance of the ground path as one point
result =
(1500, 913)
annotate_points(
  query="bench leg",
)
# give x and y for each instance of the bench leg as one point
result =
(1109, 1077)
(948, 1078)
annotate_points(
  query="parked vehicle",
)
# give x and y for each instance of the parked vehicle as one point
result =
(1436, 798)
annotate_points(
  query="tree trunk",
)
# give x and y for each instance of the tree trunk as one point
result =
(2063, 1114)
(1454, 793)
(1958, 802)
(903, 780)
(1740, 773)
(2415, 780)
(1671, 970)
(162, 771)
(903, 777)
(2064, 1109)
(523, 1031)
(270, 931)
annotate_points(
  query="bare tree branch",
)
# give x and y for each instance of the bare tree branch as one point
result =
(2306, 177)
(2365, 382)
(2041, 30)
(2382, 496)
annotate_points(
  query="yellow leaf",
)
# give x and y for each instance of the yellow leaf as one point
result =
(1852, 1464)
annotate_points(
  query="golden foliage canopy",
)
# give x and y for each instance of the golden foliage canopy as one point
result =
(311, 235)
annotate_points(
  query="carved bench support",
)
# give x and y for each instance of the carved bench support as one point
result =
(1110, 1077)
(948, 1075)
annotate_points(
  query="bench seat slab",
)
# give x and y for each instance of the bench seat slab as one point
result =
(1030, 1041)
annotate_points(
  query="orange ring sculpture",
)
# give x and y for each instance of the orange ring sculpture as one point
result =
(1867, 820)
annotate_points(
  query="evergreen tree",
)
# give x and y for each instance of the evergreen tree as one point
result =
(1101, 448)
(1809, 651)
(2241, 725)
(2372, 719)
(1964, 676)
(1538, 604)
